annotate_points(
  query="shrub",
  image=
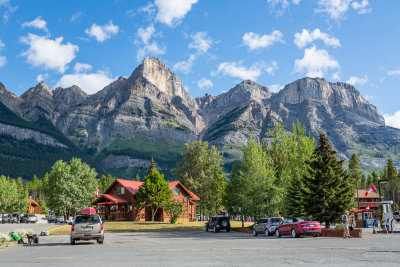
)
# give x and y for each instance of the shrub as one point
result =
(174, 209)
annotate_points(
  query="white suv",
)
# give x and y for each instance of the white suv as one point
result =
(87, 227)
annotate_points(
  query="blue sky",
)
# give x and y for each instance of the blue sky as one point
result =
(210, 45)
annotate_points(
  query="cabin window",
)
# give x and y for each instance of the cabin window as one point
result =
(176, 191)
(119, 191)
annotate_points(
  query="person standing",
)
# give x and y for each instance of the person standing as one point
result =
(345, 222)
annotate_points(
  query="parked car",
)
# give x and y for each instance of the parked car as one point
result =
(267, 226)
(297, 226)
(87, 227)
(5, 218)
(30, 218)
(51, 219)
(13, 217)
(218, 223)
(59, 219)
(396, 216)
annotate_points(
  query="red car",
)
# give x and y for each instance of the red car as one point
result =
(297, 226)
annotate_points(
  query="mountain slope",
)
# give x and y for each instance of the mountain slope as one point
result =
(150, 114)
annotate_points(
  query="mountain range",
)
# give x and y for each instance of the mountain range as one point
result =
(150, 114)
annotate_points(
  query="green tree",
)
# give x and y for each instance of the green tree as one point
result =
(137, 178)
(174, 209)
(392, 187)
(328, 190)
(369, 182)
(375, 178)
(154, 193)
(289, 151)
(71, 186)
(104, 182)
(259, 193)
(201, 171)
(355, 172)
(294, 205)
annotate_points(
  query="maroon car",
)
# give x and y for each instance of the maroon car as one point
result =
(298, 226)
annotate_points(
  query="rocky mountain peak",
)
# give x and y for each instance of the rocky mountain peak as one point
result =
(42, 89)
(157, 73)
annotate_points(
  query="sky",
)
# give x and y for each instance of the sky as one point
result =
(210, 45)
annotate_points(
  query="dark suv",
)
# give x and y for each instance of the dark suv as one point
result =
(218, 223)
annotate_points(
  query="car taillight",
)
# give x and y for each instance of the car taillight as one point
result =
(73, 228)
(101, 227)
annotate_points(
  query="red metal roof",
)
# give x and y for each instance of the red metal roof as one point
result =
(113, 198)
(133, 187)
(361, 194)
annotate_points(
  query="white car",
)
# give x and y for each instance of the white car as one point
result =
(30, 218)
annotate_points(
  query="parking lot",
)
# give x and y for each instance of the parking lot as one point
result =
(207, 249)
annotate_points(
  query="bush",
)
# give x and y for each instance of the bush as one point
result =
(4, 238)
(339, 226)
(174, 209)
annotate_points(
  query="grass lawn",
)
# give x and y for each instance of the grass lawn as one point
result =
(118, 227)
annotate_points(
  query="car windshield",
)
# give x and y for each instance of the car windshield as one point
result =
(300, 219)
(275, 221)
(87, 219)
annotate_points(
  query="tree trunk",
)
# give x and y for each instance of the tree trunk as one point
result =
(153, 213)
(242, 221)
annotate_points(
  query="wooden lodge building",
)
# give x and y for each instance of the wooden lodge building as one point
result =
(117, 203)
(363, 201)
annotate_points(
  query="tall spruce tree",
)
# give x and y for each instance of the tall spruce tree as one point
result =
(354, 172)
(393, 185)
(328, 190)
(294, 205)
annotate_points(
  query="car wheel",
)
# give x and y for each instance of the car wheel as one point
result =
(100, 241)
(254, 232)
(72, 241)
(315, 235)
(214, 229)
(267, 233)
(277, 233)
(294, 234)
(228, 229)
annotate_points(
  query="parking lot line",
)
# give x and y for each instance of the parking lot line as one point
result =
(55, 258)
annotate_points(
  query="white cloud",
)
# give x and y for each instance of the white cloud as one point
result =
(335, 9)
(336, 76)
(171, 12)
(315, 62)
(296, 2)
(255, 41)
(201, 42)
(275, 88)
(145, 34)
(37, 23)
(41, 77)
(102, 33)
(149, 9)
(51, 54)
(149, 48)
(306, 37)
(393, 120)
(8, 9)
(76, 16)
(354, 80)
(362, 7)
(185, 66)
(89, 82)
(236, 69)
(279, 6)
(82, 67)
(394, 72)
(271, 67)
(204, 83)
(3, 59)
(369, 97)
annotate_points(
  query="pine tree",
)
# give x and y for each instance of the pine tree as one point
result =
(328, 190)
(375, 178)
(154, 193)
(137, 178)
(369, 181)
(392, 188)
(294, 205)
(355, 171)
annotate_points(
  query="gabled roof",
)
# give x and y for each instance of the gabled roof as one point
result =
(112, 198)
(192, 195)
(32, 202)
(133, 187)
(361, 194)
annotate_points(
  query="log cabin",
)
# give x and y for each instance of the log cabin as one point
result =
(117, 203)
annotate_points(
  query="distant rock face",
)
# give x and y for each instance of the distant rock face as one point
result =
(153, 103)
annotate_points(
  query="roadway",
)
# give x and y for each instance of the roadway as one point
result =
(206, 249)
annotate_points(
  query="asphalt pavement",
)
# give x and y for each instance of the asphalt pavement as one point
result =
(207, 249)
